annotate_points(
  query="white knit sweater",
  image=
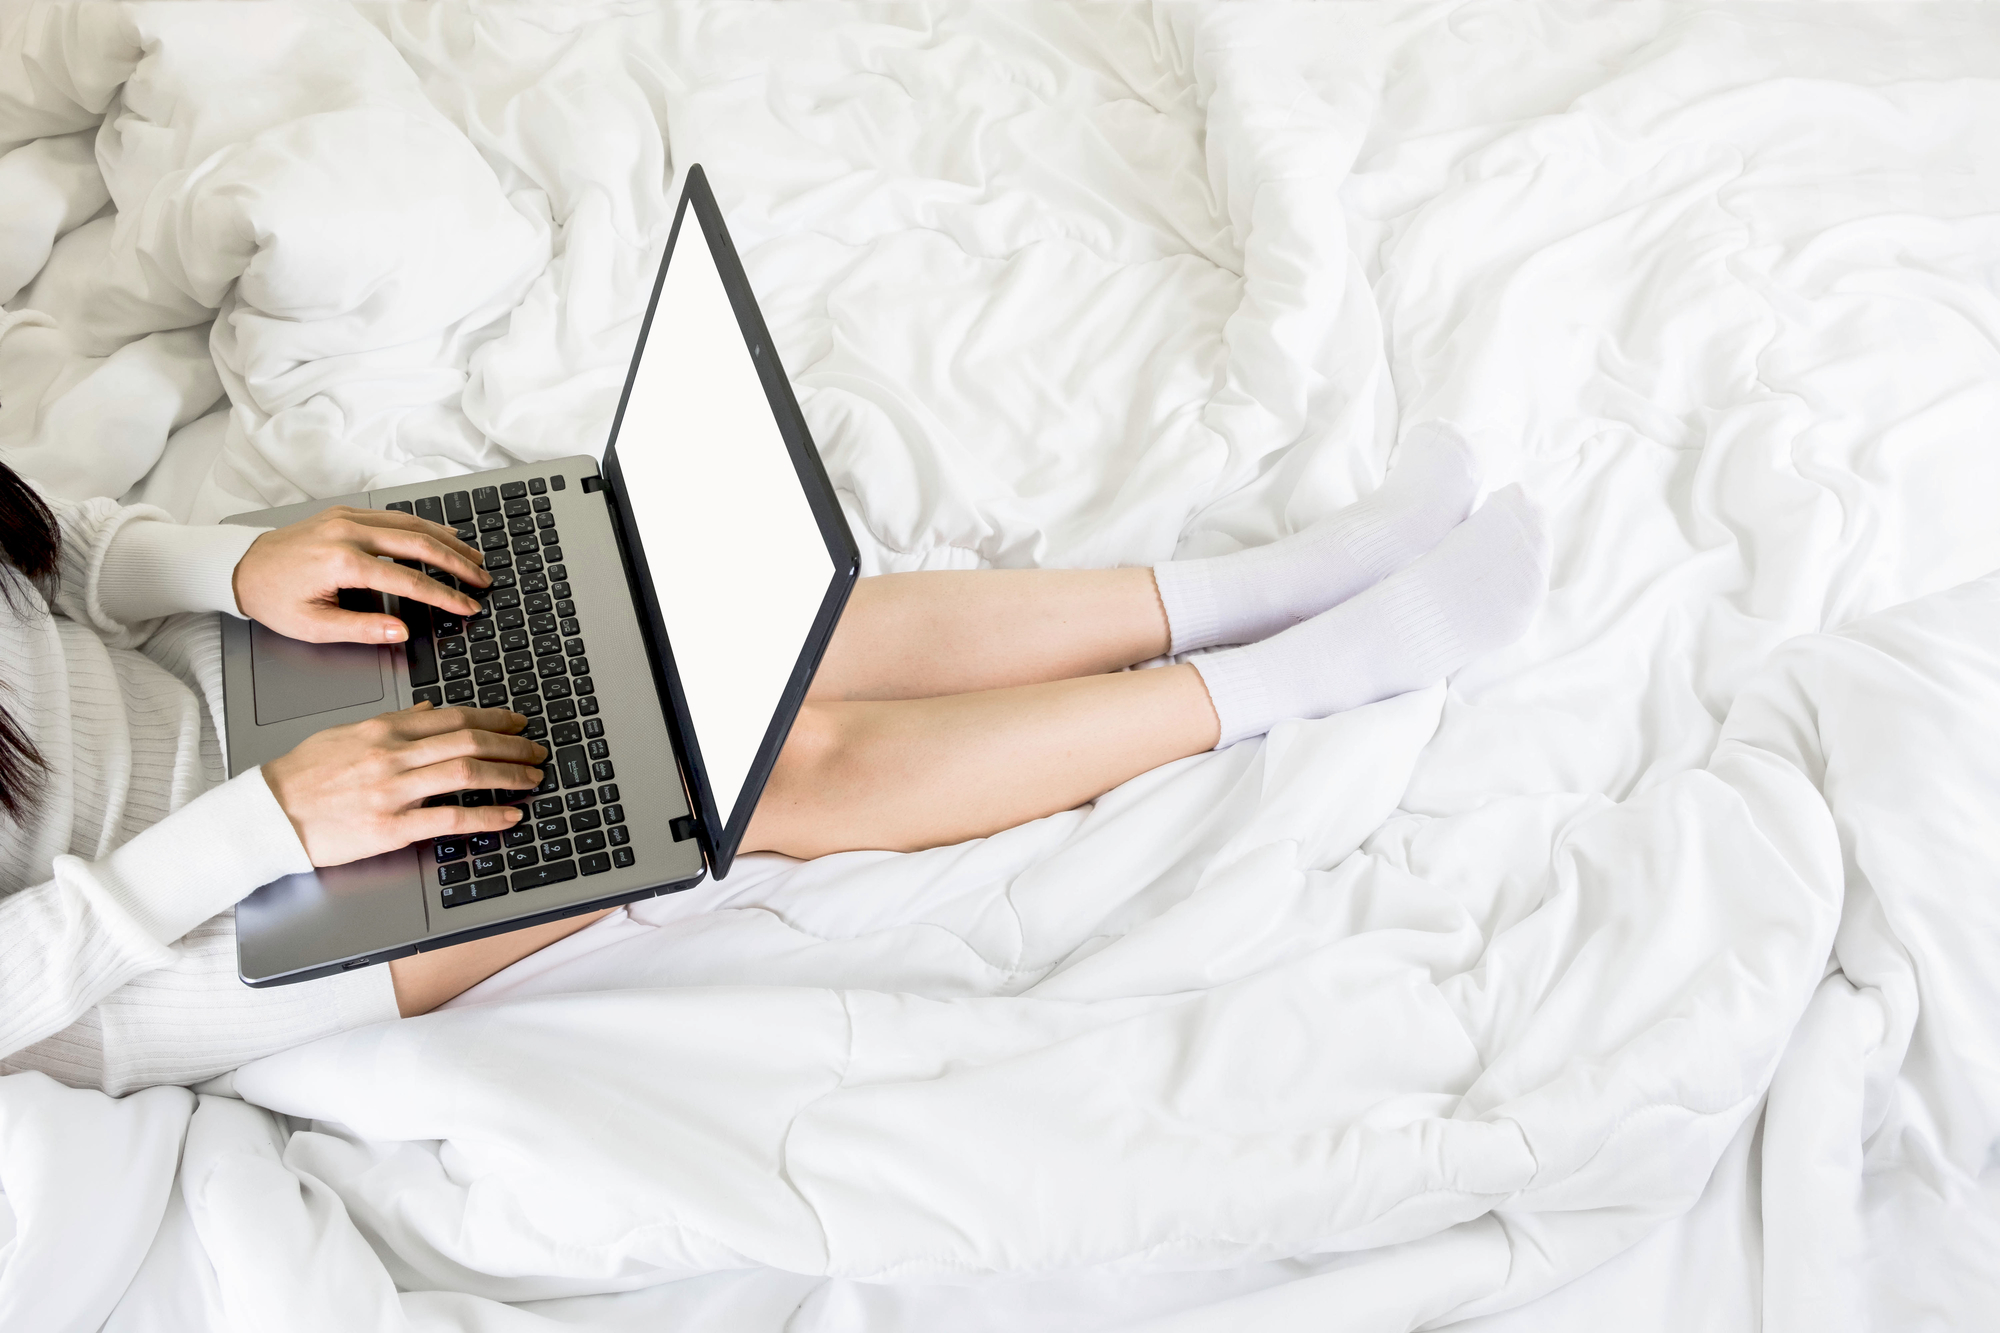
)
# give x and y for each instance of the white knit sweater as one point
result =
(117, 890)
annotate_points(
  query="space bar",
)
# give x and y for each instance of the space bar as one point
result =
(418, 653)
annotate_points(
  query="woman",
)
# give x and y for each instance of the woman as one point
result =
(949, 706)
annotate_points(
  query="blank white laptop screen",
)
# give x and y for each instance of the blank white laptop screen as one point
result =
(730, 540)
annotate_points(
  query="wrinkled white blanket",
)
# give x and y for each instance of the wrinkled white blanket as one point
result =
(1644, 977)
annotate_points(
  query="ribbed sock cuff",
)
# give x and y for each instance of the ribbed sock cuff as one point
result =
(1237, 689)
(1187, 593)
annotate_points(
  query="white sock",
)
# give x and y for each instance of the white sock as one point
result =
(1249, 595)
(1477, 590)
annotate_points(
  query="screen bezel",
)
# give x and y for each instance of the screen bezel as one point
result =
(719, 839)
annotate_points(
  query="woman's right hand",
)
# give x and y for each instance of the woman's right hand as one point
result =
(359, 790)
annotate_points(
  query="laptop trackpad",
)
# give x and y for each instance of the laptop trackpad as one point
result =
(292, 679)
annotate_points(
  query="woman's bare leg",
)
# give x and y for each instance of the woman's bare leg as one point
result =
(917, 636)
(913, 773)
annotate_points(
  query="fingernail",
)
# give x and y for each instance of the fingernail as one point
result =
(394, 633)
(517, 814)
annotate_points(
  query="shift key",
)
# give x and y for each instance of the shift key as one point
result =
(572, 766)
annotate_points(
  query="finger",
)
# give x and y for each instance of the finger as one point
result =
(420, 784)
(444, 821)
(472, 744)
(424, 720)
(330, 624)
(383, 576)
(456, 558)
(390, 519)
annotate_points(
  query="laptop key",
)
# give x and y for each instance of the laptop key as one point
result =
(476, 796)
(542, 875)
(588, 707)
(541, 624)
(520, 835)
(620, 835)
(458, 669)
(614, 813)
(527, 705)
(485, 844)
(557, 688)
(452, 647)
(580, 800)
(608, 793)
(574, 647)
(594, 728)
(556, 851)
(552, 554)
(571, 766)
(562, 710)
(484, 652)
(514, 641)
(589, 842)
(622, 857)
(537, 728)
(457, 872)
(522, 684)
(400, 506)
(448, 849)
(488, 673)
(482, 889)
(584, 820)
(554, 827)
(510, 619)
(595, 864)
(547, 644)
(457, 507)
(486, 867)
(520, 858)
(536, 486)
(460, 692)
(549, 666)
(598, 749)
(428, 694)
(492, 696)
(556, 482)
(485, 499)
(513, 490)
(517, 509)
(602, 770)
(585, 685)
(431, 509)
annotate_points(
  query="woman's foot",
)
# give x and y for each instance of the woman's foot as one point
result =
(1477, 590)
(1250, 595)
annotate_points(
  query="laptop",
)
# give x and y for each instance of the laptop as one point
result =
(658, 619)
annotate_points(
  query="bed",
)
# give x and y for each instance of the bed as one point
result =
(1642, 977)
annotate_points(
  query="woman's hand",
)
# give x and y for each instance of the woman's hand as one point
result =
(290, 578)
(358, 790)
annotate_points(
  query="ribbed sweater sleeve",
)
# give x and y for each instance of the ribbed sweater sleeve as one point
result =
(124, 567)
(67, 943)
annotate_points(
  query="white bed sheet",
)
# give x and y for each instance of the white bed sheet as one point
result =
(1641, 977)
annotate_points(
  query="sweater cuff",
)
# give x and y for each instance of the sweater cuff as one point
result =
(155, 569)
(205, 857)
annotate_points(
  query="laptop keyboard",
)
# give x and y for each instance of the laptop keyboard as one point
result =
(523, 650)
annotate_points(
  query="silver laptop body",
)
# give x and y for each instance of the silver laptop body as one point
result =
(659, 619)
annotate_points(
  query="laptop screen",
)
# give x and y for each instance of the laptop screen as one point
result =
(716, 496)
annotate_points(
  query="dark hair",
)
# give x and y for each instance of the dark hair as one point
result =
(32, 544)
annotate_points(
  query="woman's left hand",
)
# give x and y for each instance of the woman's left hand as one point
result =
(290, 578)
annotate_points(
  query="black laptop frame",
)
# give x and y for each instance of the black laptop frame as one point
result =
(719, 839)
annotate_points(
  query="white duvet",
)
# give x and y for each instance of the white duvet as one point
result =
(1647, 976)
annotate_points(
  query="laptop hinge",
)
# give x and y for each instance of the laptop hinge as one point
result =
(682, 828)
